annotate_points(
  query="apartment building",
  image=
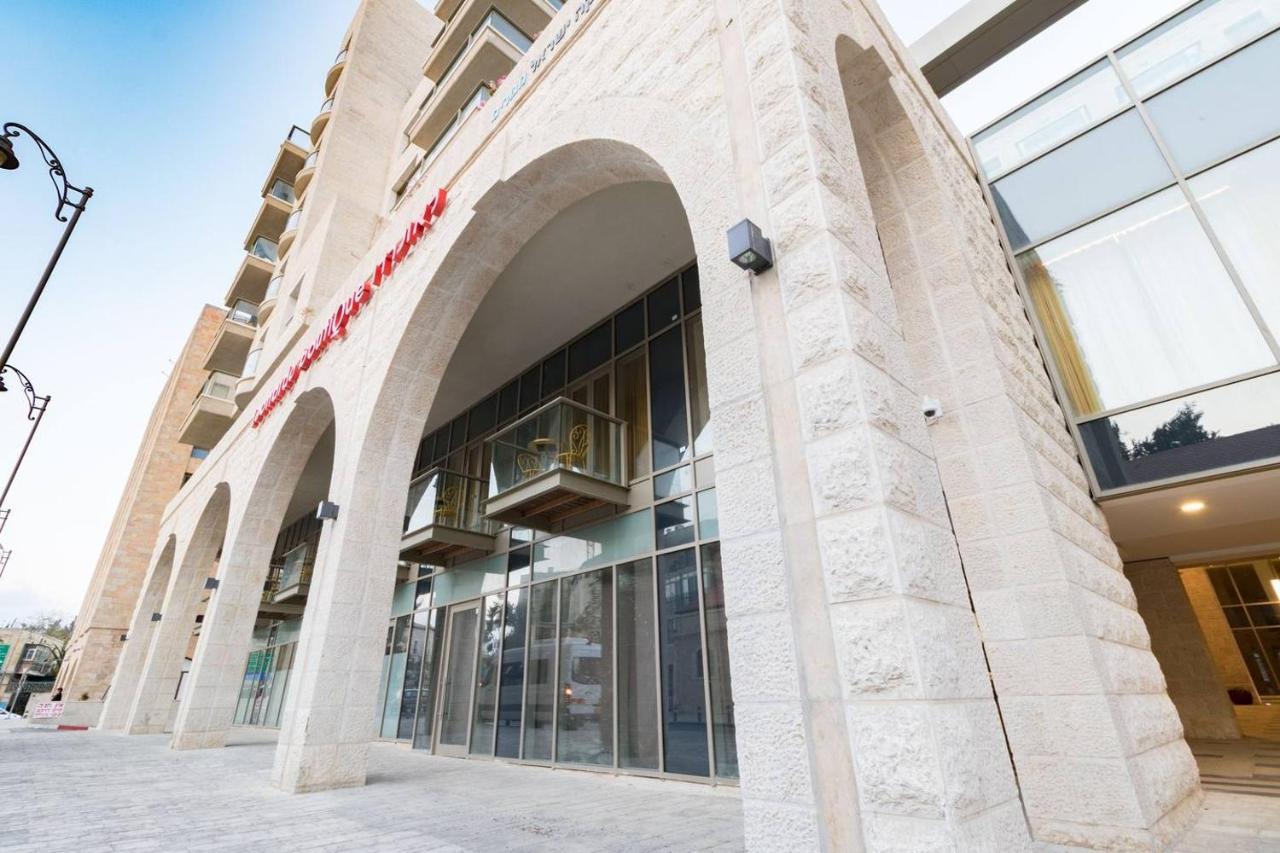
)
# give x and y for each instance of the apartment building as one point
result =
(892, 536)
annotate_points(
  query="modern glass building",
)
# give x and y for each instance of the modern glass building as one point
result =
(1140, 198)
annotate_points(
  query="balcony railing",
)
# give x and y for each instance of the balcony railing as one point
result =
(250, 368)
(220, 386)
(444, 517)
(295, 572)
(310, 162)
(273, 287)
(497, 22)
(291, 224)
(265, 249)
(560, 459)
(243, 312)
(299, 137)
(326, 106)
(282, 190)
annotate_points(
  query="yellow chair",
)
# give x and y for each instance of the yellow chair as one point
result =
(447, 504)
(579, 444)
(530, 465)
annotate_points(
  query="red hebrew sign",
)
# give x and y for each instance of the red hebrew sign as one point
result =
(336, 326)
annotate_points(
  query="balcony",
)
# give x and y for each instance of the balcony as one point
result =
(491, 50)
(288, 159)
(334, 72)
(444, 518)
(269, 297)
(272, 214)
(527, 16)
(211, 413)
(321, 121)
(307, 171)
(263, 248)
(268, 606)
(290, 231)
(233, 340)
(294, 577)
(251, 279)
(283, 191)
(556, 462)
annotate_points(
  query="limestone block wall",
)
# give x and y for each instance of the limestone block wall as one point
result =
(154, 479)
(1179, 645)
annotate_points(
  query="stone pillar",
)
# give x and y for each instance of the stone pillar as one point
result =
(124, 684)
(865, 714)
(1179, 646)
(158, 683)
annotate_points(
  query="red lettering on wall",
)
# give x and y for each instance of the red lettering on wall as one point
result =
(336, 326)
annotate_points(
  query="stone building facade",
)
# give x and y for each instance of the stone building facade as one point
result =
(162, 465)
(932, 639)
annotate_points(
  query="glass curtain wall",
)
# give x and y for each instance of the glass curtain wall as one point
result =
(266, 674)
(601, 646)
(1141, 200)
(1249, 592)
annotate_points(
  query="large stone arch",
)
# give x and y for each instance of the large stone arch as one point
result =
(162, 670)
(217, 671)
(523, 181)
(124, 684)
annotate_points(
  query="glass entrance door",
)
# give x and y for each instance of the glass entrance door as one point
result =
(459, 678)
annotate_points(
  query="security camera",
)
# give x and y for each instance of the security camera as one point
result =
(932, 408)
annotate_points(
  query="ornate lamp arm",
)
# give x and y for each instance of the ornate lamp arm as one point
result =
(61, 185)
(35, 402)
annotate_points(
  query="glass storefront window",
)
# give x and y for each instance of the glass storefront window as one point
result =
(723, 728)
(266, 675)
(699, 402)
(637, 667)
(540, 691)
(488, 668)
(417, 648)
(673, 523)
(1138, 304)
(619, 538)
(633, 409)
(1220, 110)
(684, 705)
(511, 677)
(1109, 165)
(584, 730)
(1241, 199)
(1249, 593)
(1194, 38)
(667, 399)
(424, 716)
(1087, 98)
(395, 662)
(1230, 425)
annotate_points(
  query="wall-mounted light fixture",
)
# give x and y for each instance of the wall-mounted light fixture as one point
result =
(124, 637)
(327, 511)
(155, 617)
(210, 583)
(749, 248)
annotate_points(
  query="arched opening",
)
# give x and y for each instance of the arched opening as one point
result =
(255, 615)
(558, 597)
(118, 701)
(174, 640)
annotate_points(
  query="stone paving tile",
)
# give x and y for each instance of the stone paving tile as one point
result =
(88, 791)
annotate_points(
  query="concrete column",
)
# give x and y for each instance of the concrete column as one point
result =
(124, 684)
(1179, 645)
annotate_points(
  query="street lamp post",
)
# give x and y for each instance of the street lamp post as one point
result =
(36, 404)
(66, 199)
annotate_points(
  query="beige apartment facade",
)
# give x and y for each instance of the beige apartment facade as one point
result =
(520, 465)
(162, 465)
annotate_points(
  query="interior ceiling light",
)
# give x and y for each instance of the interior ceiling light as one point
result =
(1191, 507)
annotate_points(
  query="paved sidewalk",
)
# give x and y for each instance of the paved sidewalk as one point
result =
(83, 792)
(86, 791)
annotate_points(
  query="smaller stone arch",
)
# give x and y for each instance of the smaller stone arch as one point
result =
(217, 670)
(172, 638)
(124, 685)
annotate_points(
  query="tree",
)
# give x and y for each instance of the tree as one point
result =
(1181, 430)
(57, 633)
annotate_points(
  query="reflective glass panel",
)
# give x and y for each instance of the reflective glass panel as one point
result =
(1241, 199)
(690, 286)
(540, 693)
(1222, 585)
(553, 374)
(1107, 166)
(619, 538)
(1255, 658)
(1221, 109)
(427, 681)
(723, 728)
(518, 568)
(413, 673)
(684, 705)
(1194, 38)
(633, 408)
(590, 351)
(1230, 425)
(664, 305)
(459, 675)
(511, 679)
(708, 515)
(673, 482)
(667, 399)
(395, 677)
(1138, 304)
(699, 402)
(1269, 642)
(487, 670)
(1057, 115)
(673, 523)
(584, 734)
(637, 667)
(628, 327)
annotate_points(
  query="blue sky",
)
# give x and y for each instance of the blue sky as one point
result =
(172, 110)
